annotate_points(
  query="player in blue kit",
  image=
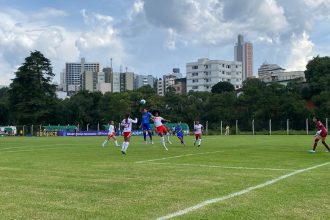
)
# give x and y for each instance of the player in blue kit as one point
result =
(179, 133)
(145, 125)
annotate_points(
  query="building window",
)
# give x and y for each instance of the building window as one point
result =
(194, 74)
(207, 80)
(194, 67)
(223, 72)
(206, 66)
(195, 81)
(195, 87)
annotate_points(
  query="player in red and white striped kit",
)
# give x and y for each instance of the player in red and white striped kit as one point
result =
(111, 134)
(321, 134)
(198, 130)
(160, 128)
(127, 124)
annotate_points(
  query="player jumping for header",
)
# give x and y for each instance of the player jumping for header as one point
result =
(145, 125)
(160, 128)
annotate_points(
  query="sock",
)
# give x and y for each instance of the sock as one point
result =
(315, 144)
(126, 146)
(106, 141)
(145, 136)
(163, 142)
(123, 146)
(325, 145)
(199, 141)
(116, 142)
(168, 137)
(150, 136)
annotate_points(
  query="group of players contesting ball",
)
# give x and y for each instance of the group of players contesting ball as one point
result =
(164, 131)
(145, 125)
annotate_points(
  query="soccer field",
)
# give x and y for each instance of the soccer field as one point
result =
(228, 177)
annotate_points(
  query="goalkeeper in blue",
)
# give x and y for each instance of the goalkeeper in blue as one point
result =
(179, 133)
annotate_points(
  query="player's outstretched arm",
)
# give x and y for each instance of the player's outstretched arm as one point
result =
(135, 121)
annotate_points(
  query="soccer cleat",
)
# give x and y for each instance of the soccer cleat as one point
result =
(195, 143)
(123, 152)
(103, 145)
(117, 145)
(152, 142)
(145, 142)
(169, 142)
(312, 151)
(199, 145)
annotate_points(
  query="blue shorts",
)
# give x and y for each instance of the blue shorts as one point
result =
(146, 127)
(180, 134)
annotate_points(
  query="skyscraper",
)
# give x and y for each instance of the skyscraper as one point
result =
(74, 74)
(244, 53)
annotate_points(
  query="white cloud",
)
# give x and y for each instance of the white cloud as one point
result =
(170, 44)
(101, 40)
(47, 12)
(301, 52)
(20, 34)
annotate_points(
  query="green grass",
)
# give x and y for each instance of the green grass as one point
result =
(75, 178)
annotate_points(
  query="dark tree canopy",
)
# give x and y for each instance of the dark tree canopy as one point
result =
(222, 87)
(318, 74)
(31, 93)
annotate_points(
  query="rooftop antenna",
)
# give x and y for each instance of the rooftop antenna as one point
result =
(126, 69)
(120, 69)
(111, 63)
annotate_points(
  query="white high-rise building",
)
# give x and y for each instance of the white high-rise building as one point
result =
(74, 74)
(205, 73)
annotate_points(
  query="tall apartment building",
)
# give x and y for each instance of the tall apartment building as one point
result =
(160, 87)
(180, 86)
(95, 81)
(74, 73)
(244, 53)
(143, 80)
(126, 81)
(115, 82)
(169, 81)
(205, 73)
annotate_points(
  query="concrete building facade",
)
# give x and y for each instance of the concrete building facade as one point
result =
(243, 52)
(205, 73)
(74, 74)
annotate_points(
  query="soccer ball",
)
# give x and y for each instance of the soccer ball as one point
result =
(142, 101)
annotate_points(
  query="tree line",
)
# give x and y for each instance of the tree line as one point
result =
(31, 99)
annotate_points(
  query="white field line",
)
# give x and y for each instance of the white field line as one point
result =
(15, 151)
(184, 155)
(224, 167)
(215, 200)
(29, 146)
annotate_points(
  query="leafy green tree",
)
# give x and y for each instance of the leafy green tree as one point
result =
(222, 87)
(318, 74)
(32, 95)
(4, 106)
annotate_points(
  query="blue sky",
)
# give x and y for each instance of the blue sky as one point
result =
(154, 36)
